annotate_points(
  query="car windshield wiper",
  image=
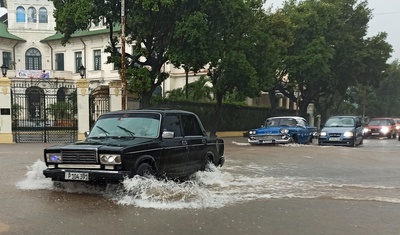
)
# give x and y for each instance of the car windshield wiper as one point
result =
(104, 130)
(127, 130)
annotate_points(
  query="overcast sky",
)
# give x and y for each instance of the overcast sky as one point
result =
(386, 18)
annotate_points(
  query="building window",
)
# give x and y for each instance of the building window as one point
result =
(78, 61)
(33, 59)
(20, 14)
(42, 15)
(97, 59)
(32, 15)
(7, 59)
(60, 61)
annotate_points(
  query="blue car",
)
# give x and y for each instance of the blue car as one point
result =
(283, 130)
(342, 130)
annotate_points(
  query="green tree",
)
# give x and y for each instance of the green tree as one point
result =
(330, 52)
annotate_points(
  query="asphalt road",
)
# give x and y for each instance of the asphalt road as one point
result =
(285, 189)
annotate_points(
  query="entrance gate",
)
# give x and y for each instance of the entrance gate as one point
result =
(44, 111)
(99, 103)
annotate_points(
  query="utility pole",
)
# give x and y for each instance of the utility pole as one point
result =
(123, 65)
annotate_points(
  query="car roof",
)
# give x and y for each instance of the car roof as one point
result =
(344, 116)
(381, 118)
(161, 111)
(294, 117)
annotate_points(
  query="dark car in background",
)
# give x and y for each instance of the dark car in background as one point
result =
(282, 130)
(122, 144)
(341, 130)
(380, 127)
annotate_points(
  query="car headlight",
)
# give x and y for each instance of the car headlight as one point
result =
(284, 131)
(384, 129)
(53, 157)
(365, 130)
(348, 134)
(323, 133)
(252, 132)
(110, 159)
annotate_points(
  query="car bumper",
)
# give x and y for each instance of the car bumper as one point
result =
(94, 175)
(270, 140)
(342, 142)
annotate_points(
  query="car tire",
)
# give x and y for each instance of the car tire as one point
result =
(145, 170)
(205, 166)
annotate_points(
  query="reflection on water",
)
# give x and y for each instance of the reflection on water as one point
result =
(218, 188)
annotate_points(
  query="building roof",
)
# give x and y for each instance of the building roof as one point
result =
(5, 34)
(81, 33)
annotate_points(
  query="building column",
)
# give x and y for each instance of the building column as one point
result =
(5, 111)
(115, 95)
(82, 86)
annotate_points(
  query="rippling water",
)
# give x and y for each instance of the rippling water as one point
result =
(218, 188)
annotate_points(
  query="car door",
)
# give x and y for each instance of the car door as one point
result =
(197, 143)
(174, 150)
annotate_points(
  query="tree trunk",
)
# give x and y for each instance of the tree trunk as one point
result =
(272, 99)
(217, 115)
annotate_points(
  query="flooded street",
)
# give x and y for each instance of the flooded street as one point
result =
(285, 189)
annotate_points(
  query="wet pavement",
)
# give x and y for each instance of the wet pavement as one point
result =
(284, 189)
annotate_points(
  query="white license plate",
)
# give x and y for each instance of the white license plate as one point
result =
(374, 133)
(334, 139)
(77, 176)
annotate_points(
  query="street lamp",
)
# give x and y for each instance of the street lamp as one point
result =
(4, 69)
(82, 71)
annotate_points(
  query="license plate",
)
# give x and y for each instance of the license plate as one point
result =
(77, 176)
(334, 138)
(374, 133)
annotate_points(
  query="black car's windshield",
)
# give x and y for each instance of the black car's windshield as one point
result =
(340, 122)
(127, 125)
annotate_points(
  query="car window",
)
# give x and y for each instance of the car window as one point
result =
(172, 123)
(128, 124)
(191, 126)
(379, 122)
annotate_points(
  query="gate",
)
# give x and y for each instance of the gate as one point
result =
(99, 103)
(44, 111)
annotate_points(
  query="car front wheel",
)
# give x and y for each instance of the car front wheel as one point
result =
(145, 170)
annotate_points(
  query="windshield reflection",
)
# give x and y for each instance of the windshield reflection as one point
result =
(145, 125)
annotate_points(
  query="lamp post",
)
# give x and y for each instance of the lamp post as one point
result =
(4, 69)
(82, 71)
(123, 65)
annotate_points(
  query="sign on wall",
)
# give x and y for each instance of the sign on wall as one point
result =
(40, 74)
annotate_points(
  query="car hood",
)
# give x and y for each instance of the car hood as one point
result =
(269, 130)
(337, 129)
(104, 143)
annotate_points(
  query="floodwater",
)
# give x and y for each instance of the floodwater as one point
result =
(300, 172)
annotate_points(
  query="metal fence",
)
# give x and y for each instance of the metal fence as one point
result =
(44, 111)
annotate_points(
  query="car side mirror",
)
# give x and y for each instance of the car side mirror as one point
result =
(86, 134)
(168, 135)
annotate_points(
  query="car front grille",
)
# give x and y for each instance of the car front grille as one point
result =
(335, 134)
(81, 156)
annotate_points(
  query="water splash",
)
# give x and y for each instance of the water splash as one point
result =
(213, 189)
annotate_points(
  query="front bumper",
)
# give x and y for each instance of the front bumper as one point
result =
(270, 139)
(341, 142)
(94, 175)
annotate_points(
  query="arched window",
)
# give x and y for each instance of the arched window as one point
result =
(42, 15)
(35, 102)
(20, 14)
(61, 97)
(32, 15)
(33, 59)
